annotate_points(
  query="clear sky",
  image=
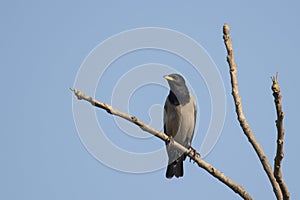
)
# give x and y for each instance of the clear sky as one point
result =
(43, 45)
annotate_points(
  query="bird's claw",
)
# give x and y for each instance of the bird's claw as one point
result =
(170, 140)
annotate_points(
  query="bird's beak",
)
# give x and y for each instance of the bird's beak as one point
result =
(169, 78)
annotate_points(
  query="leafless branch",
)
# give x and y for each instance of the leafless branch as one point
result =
(241, 117)
(280, 138)
(192, 154)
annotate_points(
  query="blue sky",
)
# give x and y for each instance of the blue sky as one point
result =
(43, 45)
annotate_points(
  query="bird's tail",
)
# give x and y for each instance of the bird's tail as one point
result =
(175, 168)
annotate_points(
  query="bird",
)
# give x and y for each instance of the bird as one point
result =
(180, 113)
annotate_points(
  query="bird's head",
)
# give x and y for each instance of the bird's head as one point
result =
(175, 81)
(178, 87)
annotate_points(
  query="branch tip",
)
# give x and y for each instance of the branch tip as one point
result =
(275, 86)
(226, 29)
(77, 93)
(275, 78)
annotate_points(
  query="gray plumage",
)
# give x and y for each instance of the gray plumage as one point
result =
(179, 122)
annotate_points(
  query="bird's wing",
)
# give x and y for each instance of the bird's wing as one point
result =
(172, 117)
(195, 116)
(195, 113)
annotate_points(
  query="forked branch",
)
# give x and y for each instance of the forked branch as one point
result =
(241, 117)
(279, 187)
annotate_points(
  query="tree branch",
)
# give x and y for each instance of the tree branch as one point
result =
(280, 138)
(191, 153)
(241, 117)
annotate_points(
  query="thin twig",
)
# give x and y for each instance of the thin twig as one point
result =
(241, 117)
(191, 153)
(280, 138)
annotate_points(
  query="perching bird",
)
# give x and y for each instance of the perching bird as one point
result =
(179, 122)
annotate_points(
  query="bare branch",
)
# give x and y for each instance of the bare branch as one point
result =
(241, 117)
(280, 138)
(191, 153)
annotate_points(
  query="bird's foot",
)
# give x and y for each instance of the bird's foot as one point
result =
(195, 153)
(170, 140)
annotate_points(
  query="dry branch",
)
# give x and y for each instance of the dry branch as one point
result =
(191, 153)
(280, 138)
(241, 117)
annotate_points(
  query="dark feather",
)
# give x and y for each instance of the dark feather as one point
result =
(172, 119)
